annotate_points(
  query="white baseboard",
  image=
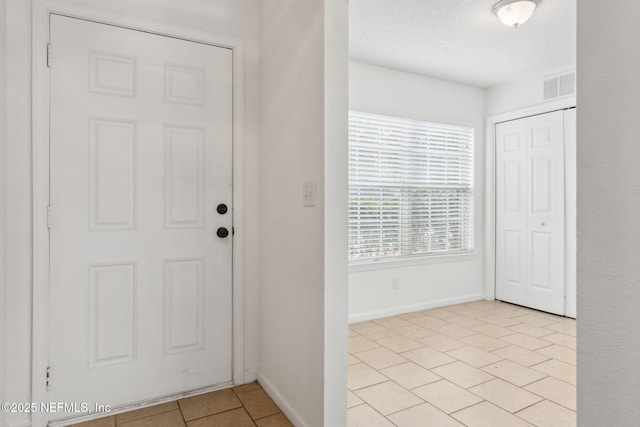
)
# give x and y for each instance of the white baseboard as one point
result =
(250, 375)
(288, 410)
(393, 311)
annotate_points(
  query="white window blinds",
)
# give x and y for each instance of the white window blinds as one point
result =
(410, 188)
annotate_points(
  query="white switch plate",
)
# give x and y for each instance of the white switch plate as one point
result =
(309, 190)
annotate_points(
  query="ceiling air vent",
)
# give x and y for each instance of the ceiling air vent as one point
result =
(559, 85)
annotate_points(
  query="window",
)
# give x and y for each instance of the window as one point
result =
(410, 188)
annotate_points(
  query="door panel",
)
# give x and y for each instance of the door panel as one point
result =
(539, 219)
(511, 237)
(140, 157)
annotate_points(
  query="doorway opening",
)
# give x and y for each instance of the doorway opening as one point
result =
(435, 308)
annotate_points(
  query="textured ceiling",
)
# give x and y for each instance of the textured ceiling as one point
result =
(461, 40)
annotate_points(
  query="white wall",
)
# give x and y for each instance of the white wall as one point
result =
(232, 18)
(291, 236)
(336, 106)
(381, 90)
(526, 91)
(18, 205)
(3, 8)
(608, 207)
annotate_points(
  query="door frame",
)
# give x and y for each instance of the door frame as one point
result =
(40, 80)
(490, 185)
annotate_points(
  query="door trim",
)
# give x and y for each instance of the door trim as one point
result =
(490, 182)
(42, 9)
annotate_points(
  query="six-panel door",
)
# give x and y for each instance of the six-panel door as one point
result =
(530, 212)
(141, 137)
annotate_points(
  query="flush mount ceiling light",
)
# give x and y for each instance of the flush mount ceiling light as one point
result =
(514, 13)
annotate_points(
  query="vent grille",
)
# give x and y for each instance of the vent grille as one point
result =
(559, 85)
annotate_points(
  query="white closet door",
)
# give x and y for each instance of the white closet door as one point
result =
(530, 237)
(140, 302)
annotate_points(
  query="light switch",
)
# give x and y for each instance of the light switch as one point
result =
(309, 190)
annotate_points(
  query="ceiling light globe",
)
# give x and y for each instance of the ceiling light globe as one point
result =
(514, 13)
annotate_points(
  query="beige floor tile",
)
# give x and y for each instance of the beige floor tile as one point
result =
(415, 331)
(474, 356)
(486, 414)
(208, 404)
(352, 333)
(462, 374)
(165, 419)
(388, 397)
(146, 412)
(258, 404)
(562, 339)
(376, 332)
(440, 313)
(366, 416)
(393, 322)
(447, 396)
(100, 422)
(484, 342)
(361, 375)
(247, 387)
(520, 355)
(504, 312)
(424, 415)
(409, 375)
(505, 395)
(277, 420)
(555, 390)
(567, 327)
(442, 342)
(491, 330)
(429, 322)
(532, 331)
(352, 360)
(526, 341)
(428, 357)
(361, 325)
(548, 414)
(534, 320)
(482, 304)
(380, 358)
(499, 320)
(560, 370)
(411, 315)
(353, 400)
(400, 343)
(472, 313)
(465, 321)
(454, 331)
(559, 352)
(234, 418)
(360, 343)
(513, 373)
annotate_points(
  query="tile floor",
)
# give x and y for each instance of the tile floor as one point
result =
(480, 364)
(242, 406)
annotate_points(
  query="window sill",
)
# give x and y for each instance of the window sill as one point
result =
(383, 264)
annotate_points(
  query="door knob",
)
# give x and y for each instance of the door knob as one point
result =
(222, 232)
(222, 209)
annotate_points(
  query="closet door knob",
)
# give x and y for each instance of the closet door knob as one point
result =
(222, 232)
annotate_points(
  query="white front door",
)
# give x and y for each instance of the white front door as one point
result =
(530, 257)
(140, 286)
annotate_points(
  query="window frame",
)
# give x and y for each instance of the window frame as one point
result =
(392, 261)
